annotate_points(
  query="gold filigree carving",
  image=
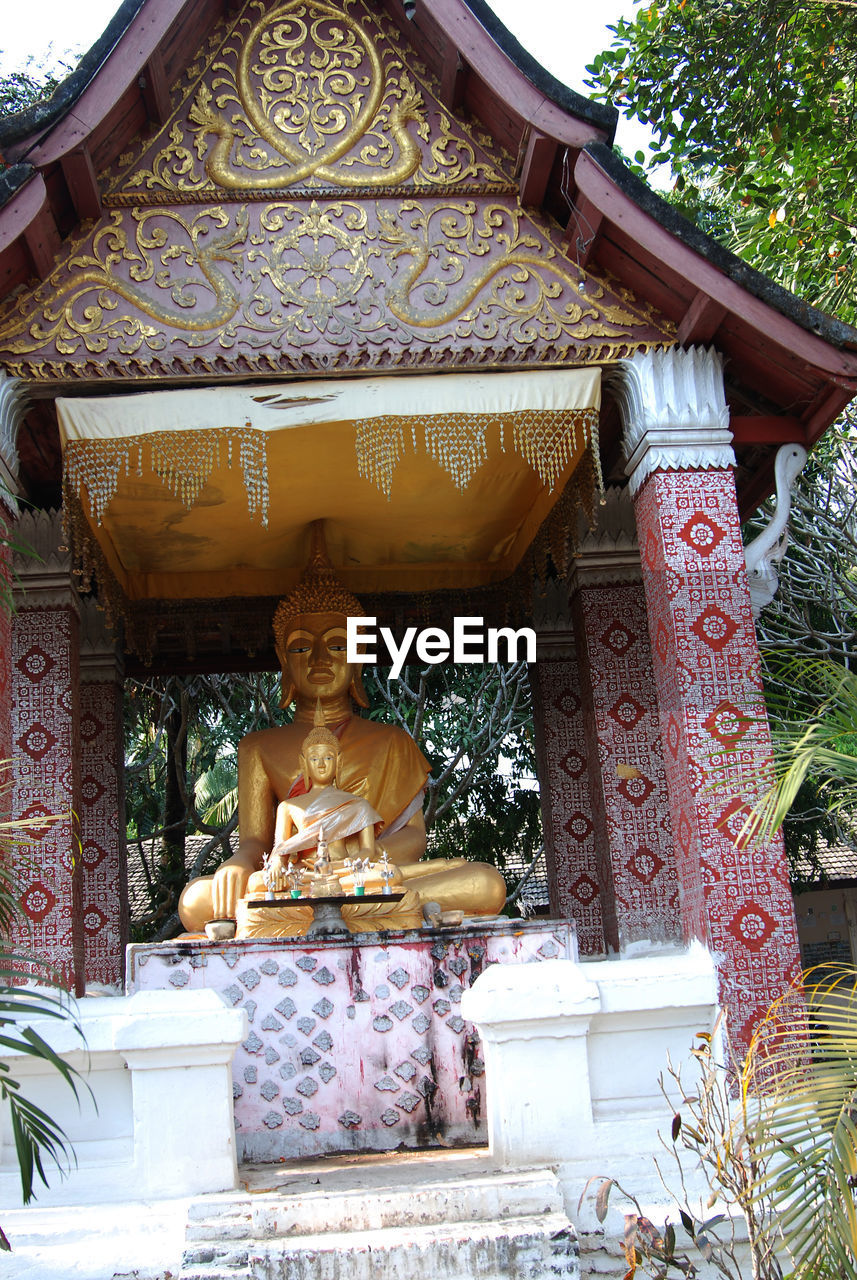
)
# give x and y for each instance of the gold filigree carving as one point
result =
(310, 94)
(82, 305)
(284, 278)
(520, 277)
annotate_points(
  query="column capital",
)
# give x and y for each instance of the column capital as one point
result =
(674, 412)
(43, 563)
(13, 400)
(609, 553)
(100, 655)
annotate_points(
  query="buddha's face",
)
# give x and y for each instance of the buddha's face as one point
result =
(321, 763)
(314, 656)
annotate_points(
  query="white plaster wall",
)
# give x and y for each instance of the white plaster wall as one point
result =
(153, 1116)
(574, 1053)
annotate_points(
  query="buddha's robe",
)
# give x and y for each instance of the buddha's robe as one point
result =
(378, 762)
(338, 813)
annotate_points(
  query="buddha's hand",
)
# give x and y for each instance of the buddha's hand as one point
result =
(227, 887)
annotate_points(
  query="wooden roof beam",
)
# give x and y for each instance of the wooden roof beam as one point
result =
(701, 321)
(479, 52)
(453, 78)
(43, 242)
(79, 173)
(155, 90)
(539, 156)
(826, 408)
(654, 240)
(767, 429)
(584, 225)
(137, 46)
(28, 217)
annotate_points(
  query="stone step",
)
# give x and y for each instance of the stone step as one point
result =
(541, 1247)
(215, 1261)
(483, 1198)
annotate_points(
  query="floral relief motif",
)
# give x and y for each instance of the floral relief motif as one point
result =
(162, 284)
(309, 94)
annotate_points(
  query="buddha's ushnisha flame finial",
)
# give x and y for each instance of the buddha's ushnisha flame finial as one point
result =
(319, 591)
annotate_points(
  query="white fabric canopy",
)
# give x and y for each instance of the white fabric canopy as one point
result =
(284, 406)
(423, 482)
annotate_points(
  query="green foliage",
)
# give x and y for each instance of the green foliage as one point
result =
(474, 725)
(759, 130)
(181, 739)
(31, 83)
(34, 1133)
(812, 617)
(804, 1059)
(819, 749)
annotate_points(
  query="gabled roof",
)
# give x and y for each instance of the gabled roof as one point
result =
(790, 370)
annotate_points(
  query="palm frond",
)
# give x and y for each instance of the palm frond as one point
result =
(216, 791)
(803, 1059)
(822, 748)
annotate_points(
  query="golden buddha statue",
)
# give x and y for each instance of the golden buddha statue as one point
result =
(317, 803)
(377, 762)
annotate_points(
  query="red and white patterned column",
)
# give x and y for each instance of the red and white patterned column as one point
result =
(707, 670)
(627, 781)
(104, 888)
(12, 402)
(570, 851)
(46, 747)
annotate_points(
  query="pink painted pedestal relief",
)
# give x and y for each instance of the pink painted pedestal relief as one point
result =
(357, 1045)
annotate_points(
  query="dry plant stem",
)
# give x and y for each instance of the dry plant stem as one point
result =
(716, 1130)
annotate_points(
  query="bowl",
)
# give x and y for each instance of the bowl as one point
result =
(220, 930)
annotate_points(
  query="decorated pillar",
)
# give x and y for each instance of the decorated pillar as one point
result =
(12, 400)
(569, 833)
(733, 894)
(46, 746)
(104, 879)
(624, 753)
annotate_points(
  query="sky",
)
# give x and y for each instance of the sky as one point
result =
(562, 34)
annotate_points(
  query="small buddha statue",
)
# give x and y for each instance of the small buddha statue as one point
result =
(379, 763)
(316, 820)
(316, 802)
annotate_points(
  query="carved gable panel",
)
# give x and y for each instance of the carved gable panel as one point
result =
(311, 206)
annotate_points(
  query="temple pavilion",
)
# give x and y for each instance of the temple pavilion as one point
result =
(363, 261)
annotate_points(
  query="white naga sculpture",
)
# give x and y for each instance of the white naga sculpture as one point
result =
(764, 553)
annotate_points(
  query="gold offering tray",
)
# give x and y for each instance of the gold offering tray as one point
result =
(327, 912)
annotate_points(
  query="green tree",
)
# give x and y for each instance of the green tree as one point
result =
(181, 777)
(33, 82)
(812, 620)
(752, 103)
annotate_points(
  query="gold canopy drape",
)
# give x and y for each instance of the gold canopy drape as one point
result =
(424, 482)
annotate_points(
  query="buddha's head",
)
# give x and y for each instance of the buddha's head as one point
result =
(309, 631)
(319, 758)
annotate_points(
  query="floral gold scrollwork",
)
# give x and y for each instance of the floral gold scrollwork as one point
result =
(309, 94)
(84, 306)
(481, 267)
(284, 278)
(320, 268)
